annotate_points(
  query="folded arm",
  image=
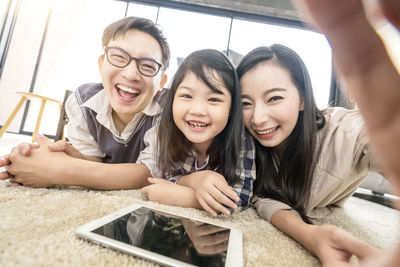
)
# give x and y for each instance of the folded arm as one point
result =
(44, 168)
(169, 193)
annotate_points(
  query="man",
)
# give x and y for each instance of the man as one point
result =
(107, 121)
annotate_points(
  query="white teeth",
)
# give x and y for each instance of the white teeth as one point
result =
(197, 124)
(127, 89)
(269, 131)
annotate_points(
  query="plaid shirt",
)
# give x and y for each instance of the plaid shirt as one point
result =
(247, 172)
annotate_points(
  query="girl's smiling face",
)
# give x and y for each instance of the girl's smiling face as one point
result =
(199, 112)
(270, 104)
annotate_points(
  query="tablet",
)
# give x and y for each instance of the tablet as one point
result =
(166, 238)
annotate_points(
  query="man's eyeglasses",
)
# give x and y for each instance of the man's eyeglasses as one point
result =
(120, 59)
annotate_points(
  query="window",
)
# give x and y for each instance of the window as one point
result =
(189, 31)
(8, 11)
(143, 11)
(70, 53)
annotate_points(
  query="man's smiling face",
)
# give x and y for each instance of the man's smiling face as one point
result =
(128, 91)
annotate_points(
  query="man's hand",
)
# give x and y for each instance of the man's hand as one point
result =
(59, 146)
(4, 174)
(64, 146)
(35, 170)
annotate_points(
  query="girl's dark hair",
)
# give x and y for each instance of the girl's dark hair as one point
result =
(291, 182)
(224, 151)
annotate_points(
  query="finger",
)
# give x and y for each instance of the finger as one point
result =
(4, 175)
(221, 198)
(227, 190)
(145, 190)
(215, 239)
(352, 245)
(4, 160)
(42, 140)
(207, 229)
(15, 184)
(14, 150)
(153, 180)
(25, 148)
(207, 208)
(215, 205)
(58, 146)
(63, 145)
(211, 249)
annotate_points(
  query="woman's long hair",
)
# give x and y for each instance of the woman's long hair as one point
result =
(290, 182)
(224, 151)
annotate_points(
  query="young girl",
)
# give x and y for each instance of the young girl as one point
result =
(306, 158)
(200, 144)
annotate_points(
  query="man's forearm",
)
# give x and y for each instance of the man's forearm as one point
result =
(103, 176)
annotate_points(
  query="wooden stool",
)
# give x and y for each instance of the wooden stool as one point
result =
(29, 96)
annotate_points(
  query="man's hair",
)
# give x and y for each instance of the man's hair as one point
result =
(120, 27)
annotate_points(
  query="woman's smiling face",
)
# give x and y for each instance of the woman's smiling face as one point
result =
(270, 104)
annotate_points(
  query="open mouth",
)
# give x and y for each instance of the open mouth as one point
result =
(269, 131)
(127, 93)
(197, 125)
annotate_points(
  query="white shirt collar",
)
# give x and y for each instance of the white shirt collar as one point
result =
(100, 104)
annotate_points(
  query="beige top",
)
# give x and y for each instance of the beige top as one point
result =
(344, 161)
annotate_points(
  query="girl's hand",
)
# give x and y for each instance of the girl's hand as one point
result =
(213, 192)
(334, 246)
(161, 191)
(207, 239)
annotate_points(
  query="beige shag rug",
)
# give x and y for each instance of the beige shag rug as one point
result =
(37, 228)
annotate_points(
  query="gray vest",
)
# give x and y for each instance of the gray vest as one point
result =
(116, 150)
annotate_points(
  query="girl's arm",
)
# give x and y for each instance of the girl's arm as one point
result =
(169, 193)
(211, 190)
(332, 245)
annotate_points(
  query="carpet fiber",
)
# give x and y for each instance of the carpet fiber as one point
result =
(37, 228)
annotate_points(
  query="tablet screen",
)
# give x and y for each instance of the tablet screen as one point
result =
(176, 237)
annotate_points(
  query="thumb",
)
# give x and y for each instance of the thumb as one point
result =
(144, 190)
(41, 139)
(153, 180)
(355, 246)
